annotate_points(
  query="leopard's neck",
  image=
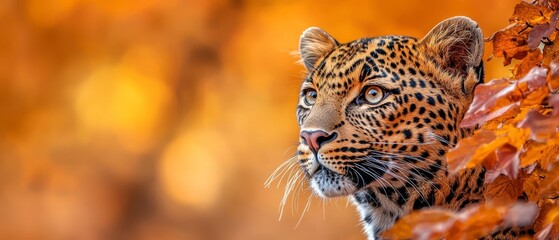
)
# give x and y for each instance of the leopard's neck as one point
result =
(381, 206)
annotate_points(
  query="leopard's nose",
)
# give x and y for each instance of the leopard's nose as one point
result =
(315, 139)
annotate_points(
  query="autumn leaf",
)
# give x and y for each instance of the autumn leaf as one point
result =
(471, 222)
(534, 87)
(503, 188)
(475, 150)
(507, 155)
(531, 184)
(529, 24)
(515, 136)
(464, 152)
(475, 222)
(539, 152)
(533, 58)
(507, 163)
(423, 224)
(529, 13)
(497, 97)
(549, 221)
(485, 101)
(550, 52)
(510, 43)
(551, 4)
(549, 186)
(553, 77)
(543, 126)
(543, 30)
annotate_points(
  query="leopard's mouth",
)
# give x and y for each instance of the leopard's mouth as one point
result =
(327, 183)
(338, 180)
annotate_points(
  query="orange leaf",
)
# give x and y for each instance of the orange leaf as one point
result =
(529, 24)
(475, 149)
(464, 151)
(496, 97)
(548, 222)
(543, 126)
(423, 224)
(508, 162)
(475, 222)
(533, 58)
(539, 152)
(553, 77)
(510, 42)
(485, 100)
(471, 222)
(550, 52)
(504, 188)
(549, 186)
(529, 13)
(542, 30)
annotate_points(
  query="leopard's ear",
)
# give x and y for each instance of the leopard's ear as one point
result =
(314, 44)
(456, 45)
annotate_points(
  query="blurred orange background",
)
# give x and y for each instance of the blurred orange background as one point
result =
(154, 119)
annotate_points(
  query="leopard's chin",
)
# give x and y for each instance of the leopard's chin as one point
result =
(328, 184)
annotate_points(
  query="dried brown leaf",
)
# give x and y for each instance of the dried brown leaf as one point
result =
(550, 52)
(423, 224)
(477, 149)
(543, 30)
(543, 125)
(470, 223)
(497, 97)
(547, 225)
(529, 13)
(510, 42)
(503, 188)
(553, 77)
(466, 149)
(508, 162)
(539, 152)
(533, 58)
(549, 186)
(485, 100)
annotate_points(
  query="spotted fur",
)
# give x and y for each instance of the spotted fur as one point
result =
(389, 156)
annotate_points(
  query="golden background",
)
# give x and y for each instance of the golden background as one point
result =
(153, 119)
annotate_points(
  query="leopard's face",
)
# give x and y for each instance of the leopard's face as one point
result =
(379, 111)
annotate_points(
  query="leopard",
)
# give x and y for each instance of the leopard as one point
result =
(377, 116)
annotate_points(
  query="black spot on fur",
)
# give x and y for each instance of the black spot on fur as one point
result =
(407, 133)
(419, 96)
(431, 101)
(425, 201)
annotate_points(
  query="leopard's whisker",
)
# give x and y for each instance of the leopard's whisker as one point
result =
(288, 189)
(402, 143)
(383, 167)
(414, 186)
(438, 166)
(305, 210)
(398, 156)
(280, 171)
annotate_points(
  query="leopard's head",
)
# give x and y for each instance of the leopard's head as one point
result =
(386, 109)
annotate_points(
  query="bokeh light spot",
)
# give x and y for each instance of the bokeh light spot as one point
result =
(190, 169)
(124, 101)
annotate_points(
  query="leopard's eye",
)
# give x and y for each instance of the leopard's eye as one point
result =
(310, 97)
(373, 94)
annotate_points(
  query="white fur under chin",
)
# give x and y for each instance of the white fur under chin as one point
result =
(326, 185)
